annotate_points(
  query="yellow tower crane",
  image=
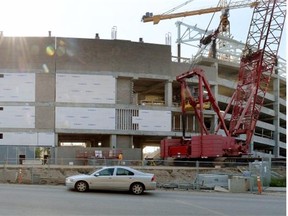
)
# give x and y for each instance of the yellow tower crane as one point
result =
(149, 17)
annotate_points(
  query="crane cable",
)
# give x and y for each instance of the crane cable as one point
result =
(202, 48)
(177, 7)
(211, 20)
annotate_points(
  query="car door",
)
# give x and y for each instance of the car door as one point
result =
(123, 178)
(102, 179)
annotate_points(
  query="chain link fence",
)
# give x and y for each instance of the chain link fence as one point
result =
(169, 174)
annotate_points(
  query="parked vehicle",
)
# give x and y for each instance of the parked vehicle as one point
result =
(118, 178)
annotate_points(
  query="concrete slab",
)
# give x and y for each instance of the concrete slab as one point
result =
(275, 189)
(220, 189)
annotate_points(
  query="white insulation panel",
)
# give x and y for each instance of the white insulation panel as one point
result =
(17, 117)
(85, 118)
(73, 88)
(17, 87)
(153, 120)
(25, 139)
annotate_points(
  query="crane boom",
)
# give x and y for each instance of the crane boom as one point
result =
(256, 66)
(148, 17)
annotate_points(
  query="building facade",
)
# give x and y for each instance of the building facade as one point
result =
(65, 98)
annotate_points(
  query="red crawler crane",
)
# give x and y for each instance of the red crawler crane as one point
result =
(256, 67)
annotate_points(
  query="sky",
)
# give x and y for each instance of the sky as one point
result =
(85, 18)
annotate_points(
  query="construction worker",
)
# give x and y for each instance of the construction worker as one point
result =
(120, 158)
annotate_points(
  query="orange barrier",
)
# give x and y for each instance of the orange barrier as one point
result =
(20, 176)
(259, 185)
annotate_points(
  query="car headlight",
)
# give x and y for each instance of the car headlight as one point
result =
(69, 180)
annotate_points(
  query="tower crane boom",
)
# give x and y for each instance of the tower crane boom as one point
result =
(149, 17)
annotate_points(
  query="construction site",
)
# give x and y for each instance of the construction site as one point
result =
(73, 101)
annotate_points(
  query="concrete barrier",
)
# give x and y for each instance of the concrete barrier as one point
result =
(239, 184)
(32, 162)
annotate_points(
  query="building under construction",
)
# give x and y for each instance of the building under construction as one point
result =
(68, 98)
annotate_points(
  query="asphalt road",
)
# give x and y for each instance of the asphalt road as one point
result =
(38, 200)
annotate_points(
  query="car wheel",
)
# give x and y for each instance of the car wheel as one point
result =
(137, 188)
(81, 186)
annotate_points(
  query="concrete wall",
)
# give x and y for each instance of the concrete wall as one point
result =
(47, 53)
(124, 91)
(238, 184)
(26, 53)
(44, 98)
(124, 142)
(112, 55)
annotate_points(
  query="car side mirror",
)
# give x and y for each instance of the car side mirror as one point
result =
(96, 174)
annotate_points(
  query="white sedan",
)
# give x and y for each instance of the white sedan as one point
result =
(120, 178)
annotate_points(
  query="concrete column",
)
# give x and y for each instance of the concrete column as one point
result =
(113, 141)
(131, 142)
(276, 120)
(251, 148)
(124, 94)
(193, 123)
(124, 141)
(168, 93)
(214, 123)
(214, 120)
